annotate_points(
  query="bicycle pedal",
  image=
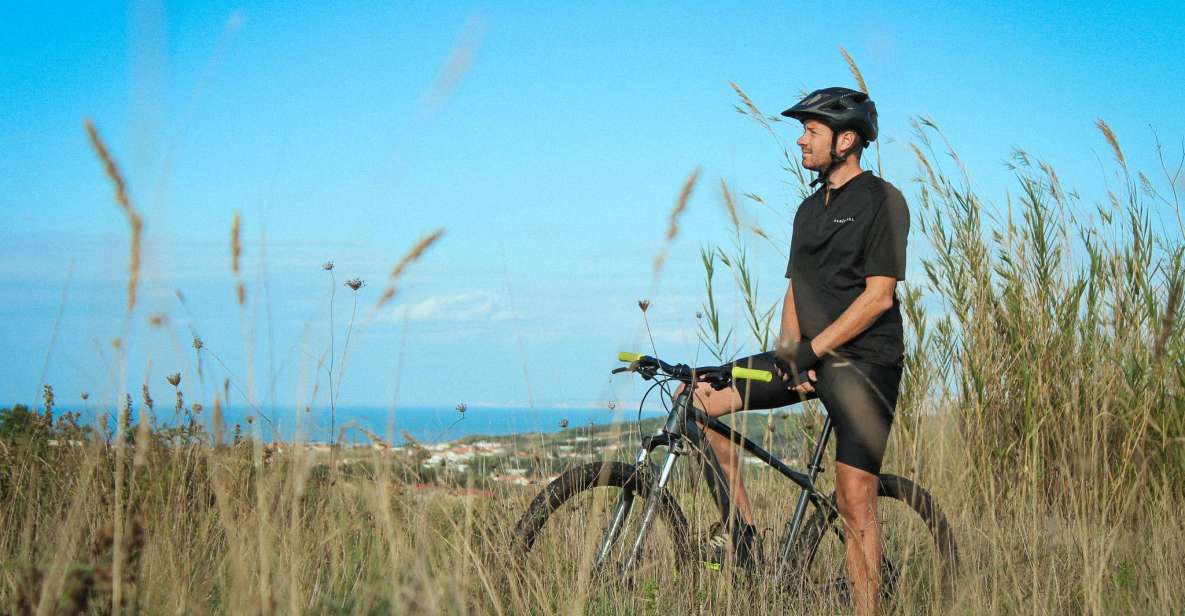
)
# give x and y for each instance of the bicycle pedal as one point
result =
(714, 548)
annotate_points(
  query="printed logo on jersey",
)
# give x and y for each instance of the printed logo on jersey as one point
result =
(840, 221)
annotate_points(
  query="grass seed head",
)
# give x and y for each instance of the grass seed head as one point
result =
(1109, 135)
(236, 243)
(411, 257)
(673, 226)
(753, 110)
(1167, 321)
(174, 379)
(730, 205)
(135, 222)
(855, 69)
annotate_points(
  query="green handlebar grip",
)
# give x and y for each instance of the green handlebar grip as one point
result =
(623, 356)
(764, 376)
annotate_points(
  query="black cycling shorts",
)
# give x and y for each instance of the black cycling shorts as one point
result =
(860, 398)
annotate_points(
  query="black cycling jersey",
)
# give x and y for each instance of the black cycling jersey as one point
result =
(860, 232)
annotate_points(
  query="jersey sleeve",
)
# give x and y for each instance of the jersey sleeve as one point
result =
(884, 245)
(793, 244)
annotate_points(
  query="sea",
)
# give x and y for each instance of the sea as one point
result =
(425, 424)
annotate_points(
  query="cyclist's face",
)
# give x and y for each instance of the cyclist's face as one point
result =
(815, 144)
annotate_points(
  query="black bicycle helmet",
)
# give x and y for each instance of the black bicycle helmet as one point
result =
(839, 108)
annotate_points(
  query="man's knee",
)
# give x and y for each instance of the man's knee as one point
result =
(856, 501)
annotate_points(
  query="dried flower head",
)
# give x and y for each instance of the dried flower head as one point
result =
(699, 315)
(564, 424)
(644, 304)
(327, 266)
(147, 396)
(197, 408)
(612, 405)
(174, 379)
(157, 319)
(250, 419)
(197, 343)
(86, 395)
(462, 407)
(355, 283)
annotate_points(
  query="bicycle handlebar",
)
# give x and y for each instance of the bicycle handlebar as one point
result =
(686, 373)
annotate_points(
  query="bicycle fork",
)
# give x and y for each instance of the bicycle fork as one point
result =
(625, 502)
(657, 487)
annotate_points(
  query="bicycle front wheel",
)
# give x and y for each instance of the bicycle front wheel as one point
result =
(919, 559)
(585, 520)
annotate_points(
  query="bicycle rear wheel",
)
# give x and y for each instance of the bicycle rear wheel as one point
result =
(570, 523)
(919, 556)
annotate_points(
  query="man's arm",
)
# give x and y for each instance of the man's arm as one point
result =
(859, 316)
(790, 334)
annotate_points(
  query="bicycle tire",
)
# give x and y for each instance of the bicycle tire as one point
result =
(823, 522)
(591, 476)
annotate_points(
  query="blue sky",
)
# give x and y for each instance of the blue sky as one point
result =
(552, 160)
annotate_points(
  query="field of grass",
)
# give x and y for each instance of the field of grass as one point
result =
(1043, 406)
(237, 529)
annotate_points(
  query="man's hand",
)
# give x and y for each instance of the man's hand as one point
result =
(799, 356)
(792, 380)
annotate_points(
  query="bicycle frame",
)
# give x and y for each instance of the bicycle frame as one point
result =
(681, 437)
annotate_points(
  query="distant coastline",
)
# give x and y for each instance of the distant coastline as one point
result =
(426, 424)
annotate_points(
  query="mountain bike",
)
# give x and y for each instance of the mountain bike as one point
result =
(918, 546)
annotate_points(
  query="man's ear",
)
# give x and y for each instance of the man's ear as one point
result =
(847, 142)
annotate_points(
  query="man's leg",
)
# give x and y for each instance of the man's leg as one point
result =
(717, 404)
(860, 400)
(855, 495)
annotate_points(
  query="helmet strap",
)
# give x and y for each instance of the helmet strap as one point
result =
(836, 160)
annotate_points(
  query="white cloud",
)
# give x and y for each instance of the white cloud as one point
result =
(468, 306)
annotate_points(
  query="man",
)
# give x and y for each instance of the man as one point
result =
(841, 324)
